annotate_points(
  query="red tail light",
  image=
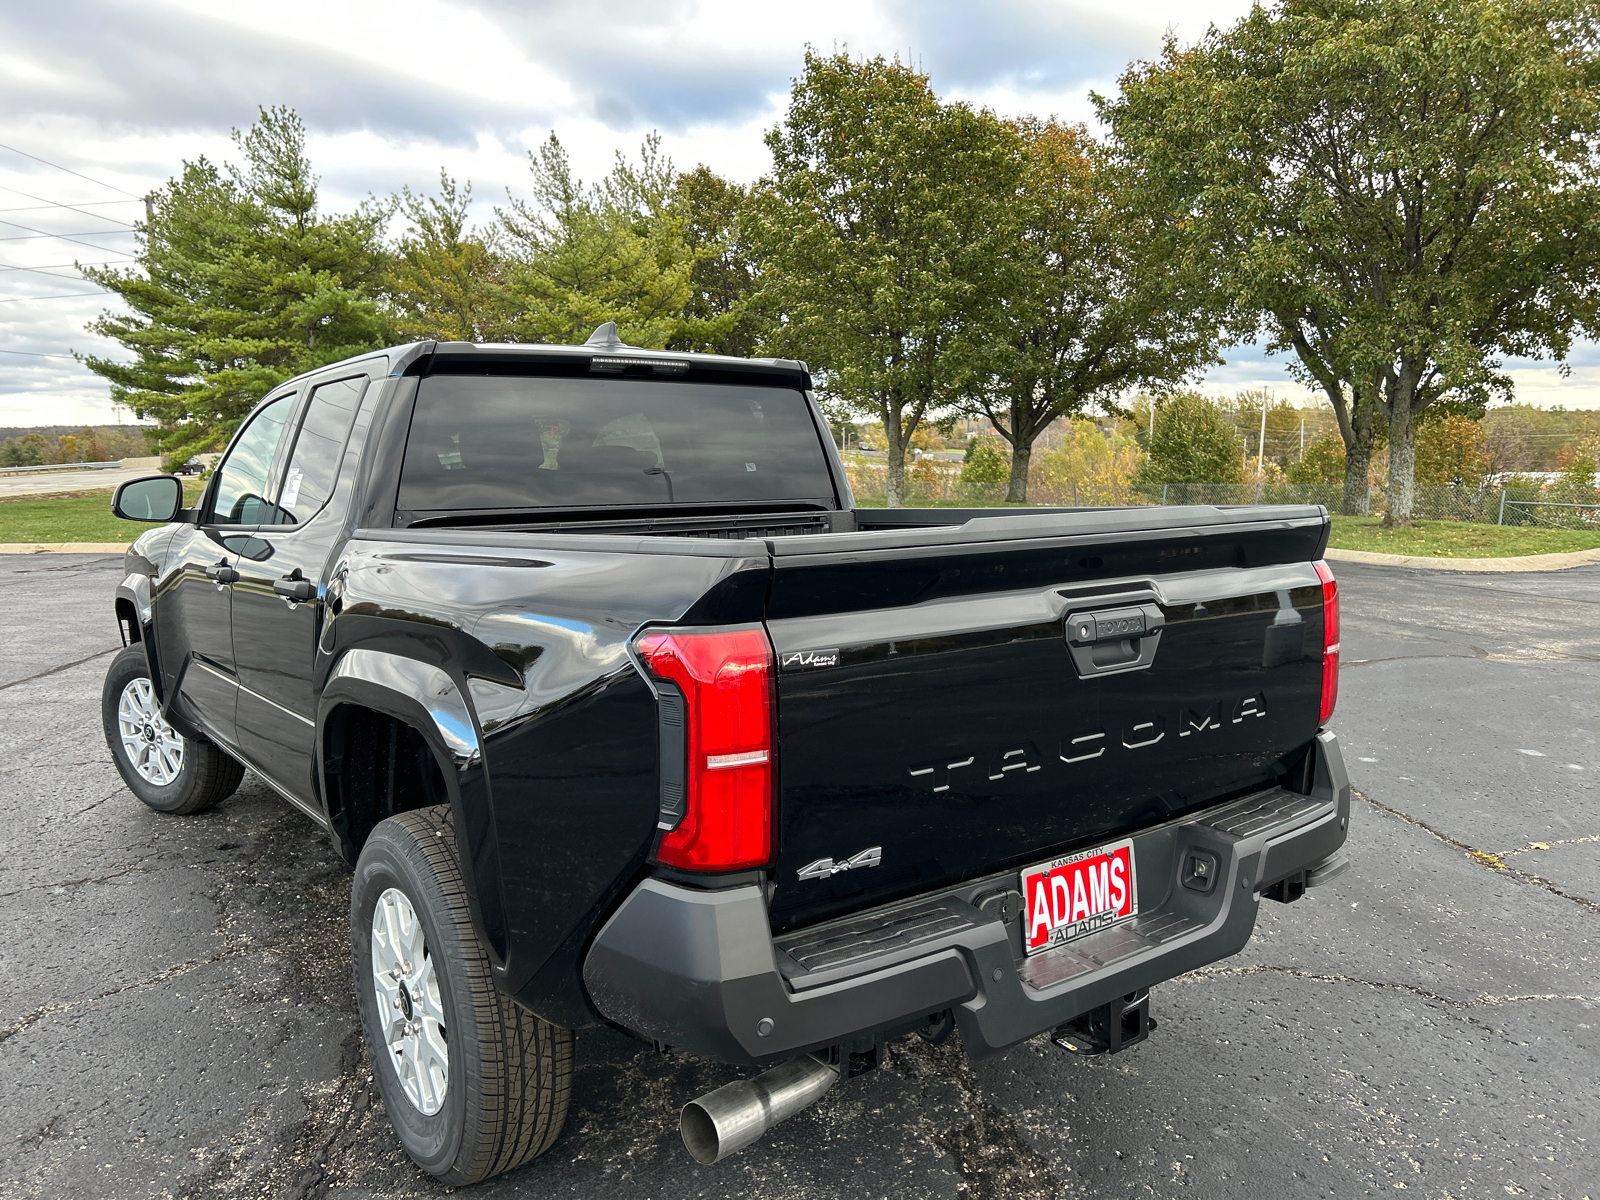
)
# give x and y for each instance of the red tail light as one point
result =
(726, 679)
(1330, 641)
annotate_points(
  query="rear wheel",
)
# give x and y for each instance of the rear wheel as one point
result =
(168, 771)
(474, 1084)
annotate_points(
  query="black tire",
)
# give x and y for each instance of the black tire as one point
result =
(208, 774)
(509, 1072)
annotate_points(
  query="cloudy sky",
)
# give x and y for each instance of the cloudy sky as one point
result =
(100, 102)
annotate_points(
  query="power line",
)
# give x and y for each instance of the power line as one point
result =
(50, 266)
(65, 237)
(52, 204)
(70, 207)
(69, 171)
(58, 296)
(37, 354)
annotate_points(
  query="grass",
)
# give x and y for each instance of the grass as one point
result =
(1431, 539)
(80, 518)
(1457, 539)
(87, 518)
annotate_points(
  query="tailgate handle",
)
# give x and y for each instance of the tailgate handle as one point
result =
(1115, 639)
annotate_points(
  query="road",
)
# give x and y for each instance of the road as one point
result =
(176, 1013)
(49, 483)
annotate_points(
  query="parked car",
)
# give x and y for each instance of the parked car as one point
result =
(624, 713)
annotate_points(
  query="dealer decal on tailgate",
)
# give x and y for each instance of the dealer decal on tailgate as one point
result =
(1080, 894)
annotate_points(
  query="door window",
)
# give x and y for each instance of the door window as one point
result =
(239, 497)
(314, 465)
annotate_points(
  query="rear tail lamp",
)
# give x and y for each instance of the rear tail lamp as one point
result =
(1330, 641)
(726, 680)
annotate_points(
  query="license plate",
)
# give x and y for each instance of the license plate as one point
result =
(1083, 893)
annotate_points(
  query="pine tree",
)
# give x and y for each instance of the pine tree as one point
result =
(240, 284)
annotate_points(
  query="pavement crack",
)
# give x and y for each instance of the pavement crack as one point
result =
(64, 884)
(1493, 861)
(1422, 993)
(63, 667)
(1532, 846)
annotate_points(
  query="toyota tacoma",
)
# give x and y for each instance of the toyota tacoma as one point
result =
(625, 713)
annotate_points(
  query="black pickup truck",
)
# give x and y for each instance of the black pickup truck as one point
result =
(624, 713)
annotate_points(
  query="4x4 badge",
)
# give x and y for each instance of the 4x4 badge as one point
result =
(826, 868)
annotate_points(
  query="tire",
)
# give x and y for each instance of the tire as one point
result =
(508, 1076)
(207, 773)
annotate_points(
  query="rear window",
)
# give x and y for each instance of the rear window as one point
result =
(521, 443)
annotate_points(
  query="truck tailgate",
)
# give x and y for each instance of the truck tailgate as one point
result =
(957, 700)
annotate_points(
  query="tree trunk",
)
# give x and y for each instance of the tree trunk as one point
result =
(1357, 461)
(1401, 492)
(895, 436)
(1017, 486)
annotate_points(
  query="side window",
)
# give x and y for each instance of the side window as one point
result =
(314, 465)
(239, 497)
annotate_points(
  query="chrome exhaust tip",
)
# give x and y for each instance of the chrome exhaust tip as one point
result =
(727, 1120)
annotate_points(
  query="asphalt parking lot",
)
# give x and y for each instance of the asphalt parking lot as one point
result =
(177, 1019)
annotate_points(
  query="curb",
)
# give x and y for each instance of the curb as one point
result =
(1526, 562)
(63, 547)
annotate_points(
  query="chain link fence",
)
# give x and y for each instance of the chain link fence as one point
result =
(1553, 507)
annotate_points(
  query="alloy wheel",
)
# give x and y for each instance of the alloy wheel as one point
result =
(410, 1011)
(154, 748)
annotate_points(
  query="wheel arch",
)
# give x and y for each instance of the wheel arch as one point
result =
(422, 701)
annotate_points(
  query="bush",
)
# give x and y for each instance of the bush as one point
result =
(988, 461)
(1193, 443)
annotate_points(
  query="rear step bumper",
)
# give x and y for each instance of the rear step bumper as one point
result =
(700, 970)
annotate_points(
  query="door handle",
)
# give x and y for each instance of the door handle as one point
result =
(220, 573)
(297, 590)
(1115, 639)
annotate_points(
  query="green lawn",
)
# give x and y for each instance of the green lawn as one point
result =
(1457, 539)
(88, 519)
(72, 519)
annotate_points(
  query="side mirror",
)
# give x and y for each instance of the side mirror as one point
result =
(156, 498)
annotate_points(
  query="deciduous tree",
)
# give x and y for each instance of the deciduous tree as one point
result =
(1098, 303)
(881, 239)
(1400, 191)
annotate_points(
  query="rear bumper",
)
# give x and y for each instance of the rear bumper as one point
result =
(700, 970)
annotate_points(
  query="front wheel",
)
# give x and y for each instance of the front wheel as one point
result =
(473, 1084)
(169, 772)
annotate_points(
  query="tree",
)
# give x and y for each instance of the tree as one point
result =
(580, 255)
(1400, 191)
(720, 314)
(445, 281)
(1322, 463)
(986, 462)
(881, 240)
(240, 284)
(1194, 442)
(1099, 304)
(1451, 449)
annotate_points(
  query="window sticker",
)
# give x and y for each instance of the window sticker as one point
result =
(749, 466)
(291, 488)
(450, 460)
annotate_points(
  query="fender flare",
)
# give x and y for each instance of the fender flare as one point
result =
(434, 703)
(134, 591)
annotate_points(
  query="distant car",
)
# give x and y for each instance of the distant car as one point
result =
(193, 467)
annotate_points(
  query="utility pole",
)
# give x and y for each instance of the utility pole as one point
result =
(1302, 437)
(1261, 445)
